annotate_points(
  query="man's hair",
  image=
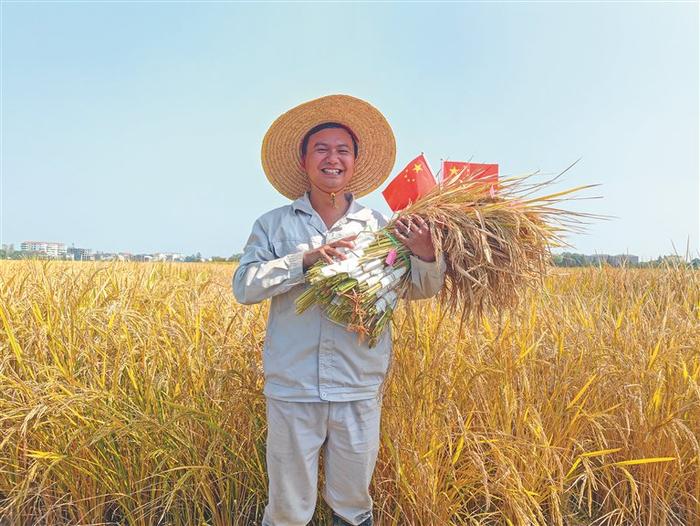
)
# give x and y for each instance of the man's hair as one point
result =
(323, 126)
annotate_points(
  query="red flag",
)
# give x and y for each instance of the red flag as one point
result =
(470, 171)
(411, 184)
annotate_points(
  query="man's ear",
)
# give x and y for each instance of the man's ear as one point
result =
(302, 162)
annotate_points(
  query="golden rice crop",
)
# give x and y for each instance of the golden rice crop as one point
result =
(131, 394)
(493, 245)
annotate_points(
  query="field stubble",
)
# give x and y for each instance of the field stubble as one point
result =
(131, 394)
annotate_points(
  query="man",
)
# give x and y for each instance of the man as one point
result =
(322, 383)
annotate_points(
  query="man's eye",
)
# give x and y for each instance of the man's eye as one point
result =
(344, 151)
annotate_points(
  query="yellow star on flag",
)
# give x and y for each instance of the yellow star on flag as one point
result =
(417, 168)
(453, 170)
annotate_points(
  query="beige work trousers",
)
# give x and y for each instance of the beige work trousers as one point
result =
(348, 432)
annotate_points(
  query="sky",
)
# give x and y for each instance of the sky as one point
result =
(137, 126)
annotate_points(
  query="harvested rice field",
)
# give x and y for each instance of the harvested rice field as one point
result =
(131, 393)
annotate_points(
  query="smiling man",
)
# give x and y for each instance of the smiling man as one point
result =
(322, 385)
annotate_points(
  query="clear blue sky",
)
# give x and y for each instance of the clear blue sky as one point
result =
(137, 126)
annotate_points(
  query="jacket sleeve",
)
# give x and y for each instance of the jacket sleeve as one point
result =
(427, 278)
(260, 275)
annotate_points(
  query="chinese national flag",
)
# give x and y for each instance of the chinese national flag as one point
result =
(471, 171)
(411, 184)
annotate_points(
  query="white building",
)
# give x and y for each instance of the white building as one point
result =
(49, 248)
(80, 254)
(168, 256)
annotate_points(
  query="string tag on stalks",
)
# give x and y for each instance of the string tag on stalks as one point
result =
(397, 245)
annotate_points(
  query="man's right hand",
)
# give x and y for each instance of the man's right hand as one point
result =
(328, 251)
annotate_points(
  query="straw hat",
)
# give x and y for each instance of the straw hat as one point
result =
(281, 147)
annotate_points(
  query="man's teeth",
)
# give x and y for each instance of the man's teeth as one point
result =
(334, 172)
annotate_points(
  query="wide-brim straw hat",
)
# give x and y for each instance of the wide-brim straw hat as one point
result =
(281, 147)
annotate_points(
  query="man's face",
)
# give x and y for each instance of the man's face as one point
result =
(330, 159)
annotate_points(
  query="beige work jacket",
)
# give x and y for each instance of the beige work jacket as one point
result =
(307, 357)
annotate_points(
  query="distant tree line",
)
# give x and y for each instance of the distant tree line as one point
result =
(28, 254)
(565, 259)
(234, 257)
(572, 259)
(21, 254)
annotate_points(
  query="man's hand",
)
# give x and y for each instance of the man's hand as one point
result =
(328, 251)
(415, 234)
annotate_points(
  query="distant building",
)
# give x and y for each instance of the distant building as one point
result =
(673, 260)
(80, 254)
(48, 248)
(167, 256)
(105, 256)
(59, 251)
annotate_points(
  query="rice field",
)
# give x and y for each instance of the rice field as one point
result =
(131, 394)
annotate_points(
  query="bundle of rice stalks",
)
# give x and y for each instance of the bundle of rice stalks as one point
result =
(361, 291)
(494, 244)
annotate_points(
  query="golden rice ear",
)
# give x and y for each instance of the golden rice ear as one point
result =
(495, 246)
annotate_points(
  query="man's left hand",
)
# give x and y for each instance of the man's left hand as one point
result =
(414, 232)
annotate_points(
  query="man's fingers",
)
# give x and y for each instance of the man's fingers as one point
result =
(420, 226)
(335, 253)
(401, 236)
(325, 256)
(343, 243)
(405, 225)
(347, 239)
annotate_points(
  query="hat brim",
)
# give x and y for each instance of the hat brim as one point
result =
(281, 155)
